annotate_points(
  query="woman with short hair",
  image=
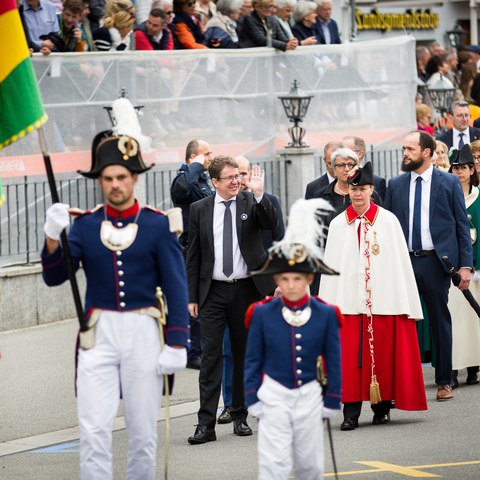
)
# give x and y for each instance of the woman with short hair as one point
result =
(221, 29)
(305, 17)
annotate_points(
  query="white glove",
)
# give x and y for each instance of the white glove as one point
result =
(171, 360)
(476, 276)
(57, 220)
(329, 412)
(256, 410)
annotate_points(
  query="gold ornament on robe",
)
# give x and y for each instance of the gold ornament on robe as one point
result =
(375, 244)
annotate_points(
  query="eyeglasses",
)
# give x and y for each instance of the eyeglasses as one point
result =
(231, 178)
(345, 165)
(169, 13)
(476, 158)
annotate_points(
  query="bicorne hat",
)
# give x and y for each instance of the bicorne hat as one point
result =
(361, 175)
(301, 250)
(460, 157)
(108, 149)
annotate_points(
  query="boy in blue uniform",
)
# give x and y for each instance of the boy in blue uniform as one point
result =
(287, 336)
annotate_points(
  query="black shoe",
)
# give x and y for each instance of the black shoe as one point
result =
(454, 383)
(202, 434)
(349, 424)
(194, 363)
(381, 419)
(225, 416)
(472, 377)
(241, 428)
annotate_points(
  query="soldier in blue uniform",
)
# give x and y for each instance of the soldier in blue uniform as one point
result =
(287, 336)
(126, 251)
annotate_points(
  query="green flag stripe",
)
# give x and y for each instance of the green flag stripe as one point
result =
(21, 109)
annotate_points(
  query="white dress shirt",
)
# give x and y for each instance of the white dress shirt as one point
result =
(240, 269)
(456, 137)
(427, 242)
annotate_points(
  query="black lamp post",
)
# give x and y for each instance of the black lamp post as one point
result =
(456, 36)
(441, 95)
(295, 104)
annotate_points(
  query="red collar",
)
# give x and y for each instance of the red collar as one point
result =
(129, 212)
(298, 304)
(370, 215)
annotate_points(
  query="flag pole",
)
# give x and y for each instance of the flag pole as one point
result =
(63, 236)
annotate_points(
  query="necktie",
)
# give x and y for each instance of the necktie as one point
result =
(227, 240)
(461, 142)
(417, 212)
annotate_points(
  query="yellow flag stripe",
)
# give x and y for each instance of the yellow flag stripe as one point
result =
(11, 35)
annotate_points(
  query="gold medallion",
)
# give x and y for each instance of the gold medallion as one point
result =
(375, 244)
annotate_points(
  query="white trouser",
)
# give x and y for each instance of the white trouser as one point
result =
(292, 418)
(124, 360)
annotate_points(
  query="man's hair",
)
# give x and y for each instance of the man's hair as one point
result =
(358, 142)
(158, 13)
(332, 145)
(192, 148)
(458, 103)
(425, 140)
(74, 6)
(218, 164)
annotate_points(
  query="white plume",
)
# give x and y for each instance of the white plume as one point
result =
(127, 123)
(306, 227)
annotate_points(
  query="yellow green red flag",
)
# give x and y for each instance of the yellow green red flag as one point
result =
(21, 108)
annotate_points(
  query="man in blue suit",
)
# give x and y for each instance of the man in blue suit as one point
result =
(461, 134)
(431, 209)
(327, 28)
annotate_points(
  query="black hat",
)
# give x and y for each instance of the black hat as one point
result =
(300, 249)
(460, 157)
(361, 175)
(108, 149)
(297, 261)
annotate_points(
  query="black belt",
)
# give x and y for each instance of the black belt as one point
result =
(423, 253)
(233, 280)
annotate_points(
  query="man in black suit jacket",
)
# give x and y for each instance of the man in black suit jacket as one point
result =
(221, 253)
(359, 146)
(461, 134)
(314, 186)
(327, 28)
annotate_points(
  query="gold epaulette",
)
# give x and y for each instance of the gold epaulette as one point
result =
(78, 212)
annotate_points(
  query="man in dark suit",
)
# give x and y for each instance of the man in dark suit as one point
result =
(190, 185)
(359, 146)
(461, 134)
(327, 28)
(329, 176)
(431, 209)
(224, 245)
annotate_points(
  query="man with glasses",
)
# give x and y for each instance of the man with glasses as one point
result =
(153, 34)
(461, 134)
(224, 245)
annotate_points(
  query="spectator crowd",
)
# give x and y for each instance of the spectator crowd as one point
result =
(118, 25)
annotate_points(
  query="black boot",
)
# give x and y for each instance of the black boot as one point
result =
(454, 383)
(472, 375)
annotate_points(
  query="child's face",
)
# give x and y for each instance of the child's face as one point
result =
(293, 285)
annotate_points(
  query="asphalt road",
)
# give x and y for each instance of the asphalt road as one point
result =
(39, 437)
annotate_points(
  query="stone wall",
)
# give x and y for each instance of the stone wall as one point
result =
(26, 301)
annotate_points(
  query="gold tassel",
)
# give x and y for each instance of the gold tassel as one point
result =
(375, 396)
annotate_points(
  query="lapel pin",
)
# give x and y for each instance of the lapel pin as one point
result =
(243, 216)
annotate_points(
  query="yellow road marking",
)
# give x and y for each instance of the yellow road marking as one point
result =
(410, 471)
(407, 471)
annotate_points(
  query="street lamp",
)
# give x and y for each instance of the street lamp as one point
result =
(295, 104)
(422, 89)
(456, 36)
(441, 95)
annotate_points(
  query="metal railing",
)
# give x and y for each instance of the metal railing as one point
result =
(27, 198)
